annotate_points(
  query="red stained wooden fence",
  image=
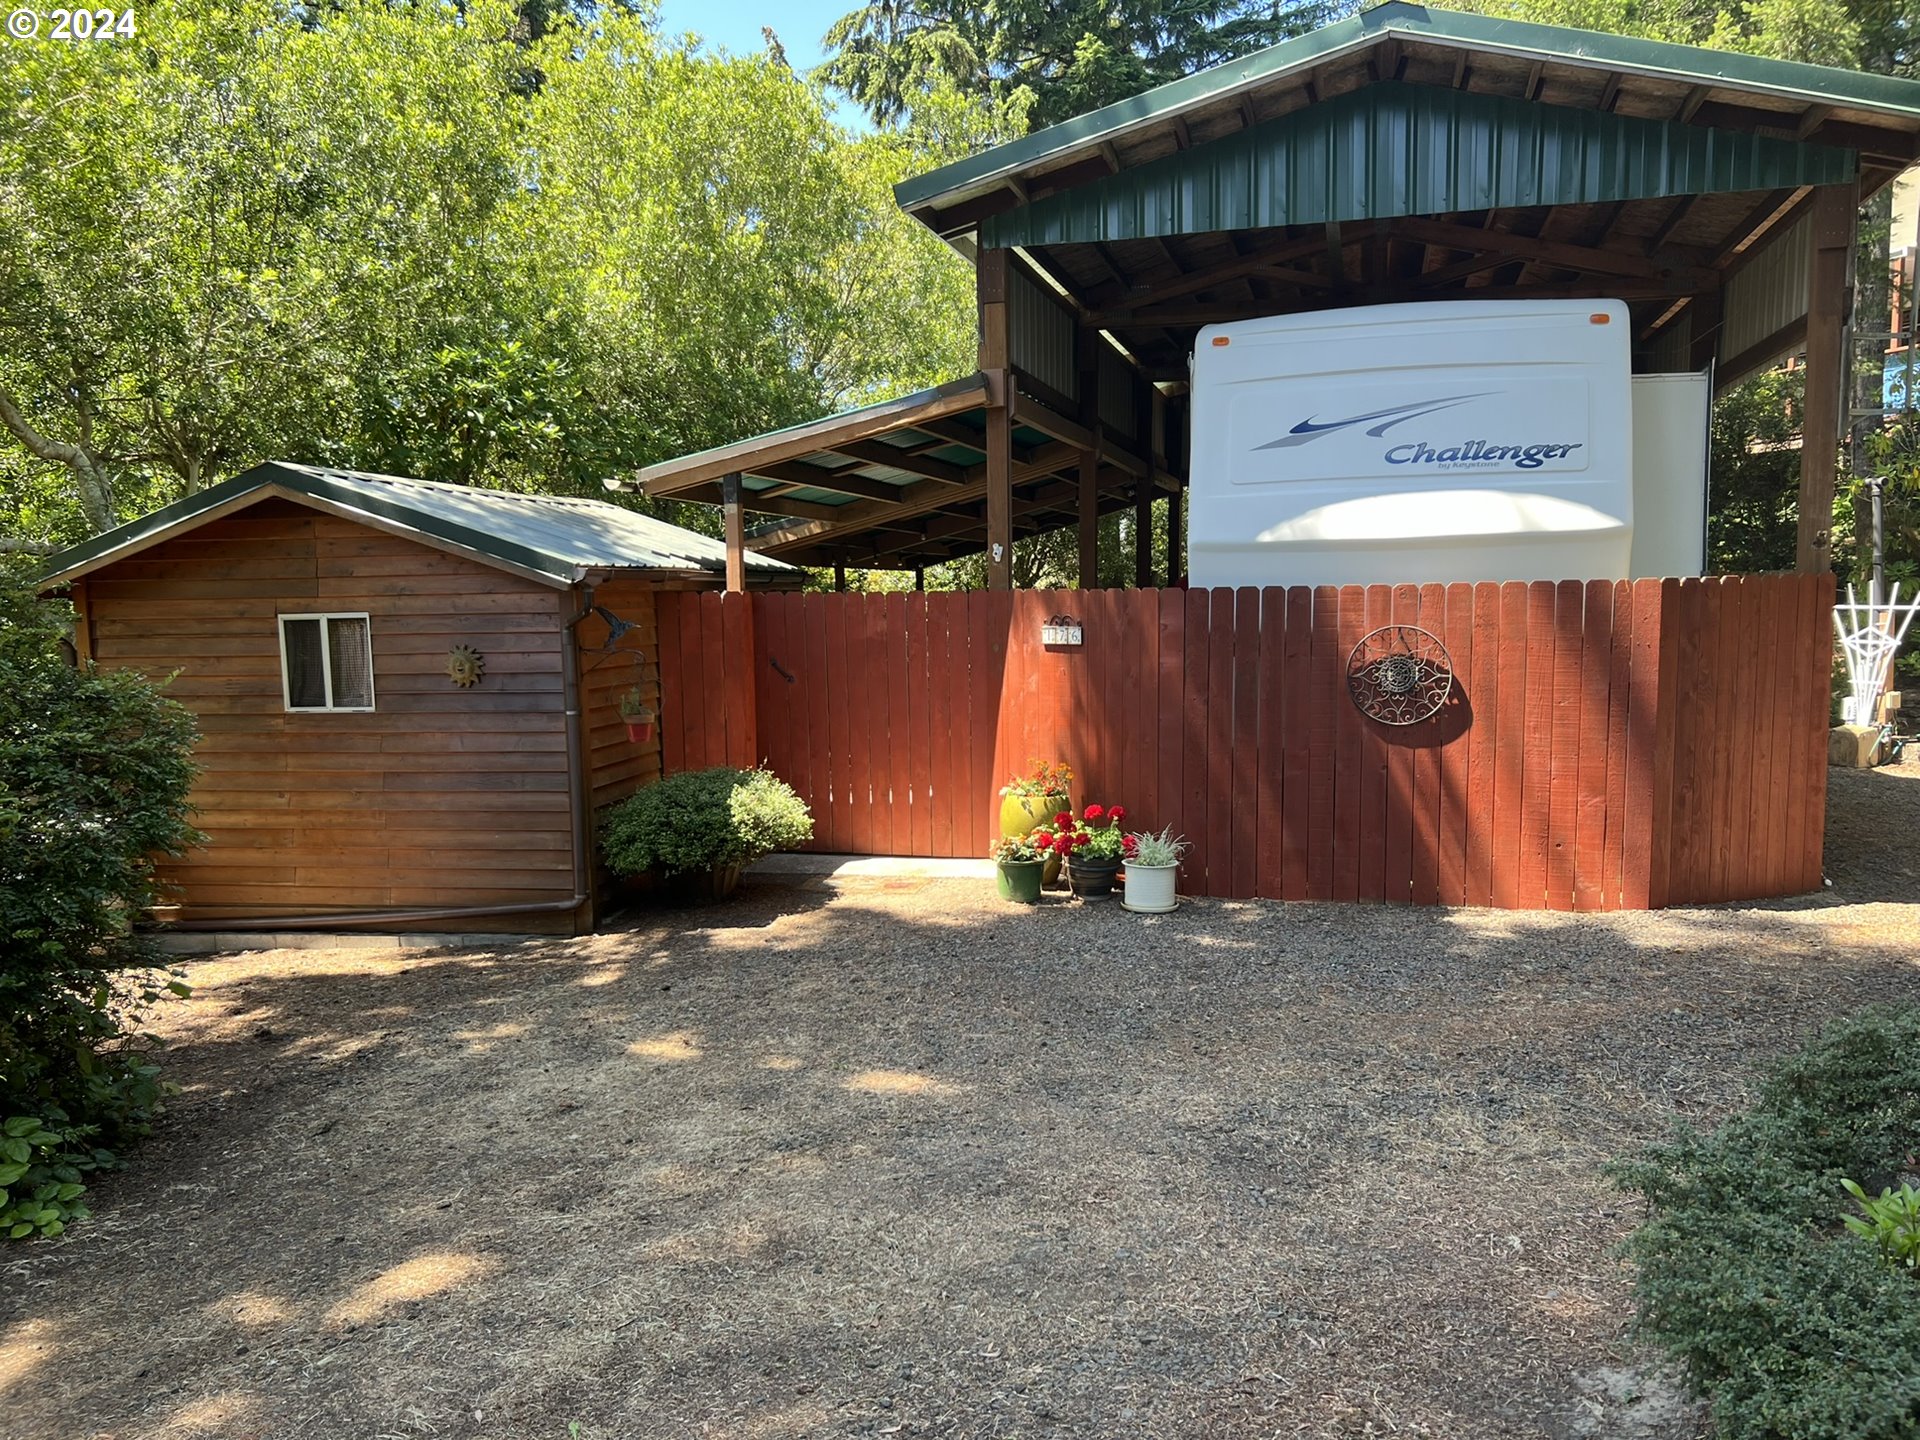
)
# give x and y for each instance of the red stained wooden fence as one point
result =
(1606, 746)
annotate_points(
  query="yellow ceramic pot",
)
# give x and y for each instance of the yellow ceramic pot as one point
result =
(1023, 814)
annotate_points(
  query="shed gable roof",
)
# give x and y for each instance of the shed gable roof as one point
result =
(553, 539)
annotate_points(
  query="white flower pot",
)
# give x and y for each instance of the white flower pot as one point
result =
(1150, 888)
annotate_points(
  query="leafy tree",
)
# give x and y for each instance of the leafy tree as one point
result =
(351, 233)
(208, 232)
(1068, 57)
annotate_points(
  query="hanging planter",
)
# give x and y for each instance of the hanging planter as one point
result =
(641, 717)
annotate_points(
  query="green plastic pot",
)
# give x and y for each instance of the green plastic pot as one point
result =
(1019, 880)
(1023, 814)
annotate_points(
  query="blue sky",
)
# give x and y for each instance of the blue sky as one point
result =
(735, 25)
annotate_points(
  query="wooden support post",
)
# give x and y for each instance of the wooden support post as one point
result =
(991, 289)
(839, 575)
(1143, 533)
(736, 534)
(1829, 299)
(919, 578)
(1087, 372)
(1176, 553)
(1144, 414)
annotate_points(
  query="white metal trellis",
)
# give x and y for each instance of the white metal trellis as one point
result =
(1870, 636)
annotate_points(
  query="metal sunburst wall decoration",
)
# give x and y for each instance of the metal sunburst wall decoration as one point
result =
(465, 666)
(1399, 675)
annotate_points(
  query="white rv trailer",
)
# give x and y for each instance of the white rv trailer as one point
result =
(1452, 440)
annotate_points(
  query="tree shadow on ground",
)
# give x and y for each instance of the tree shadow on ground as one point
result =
(888, 1157)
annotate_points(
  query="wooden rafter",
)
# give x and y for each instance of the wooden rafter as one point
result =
(878, 452)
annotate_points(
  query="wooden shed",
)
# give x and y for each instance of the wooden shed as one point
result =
(318, 623)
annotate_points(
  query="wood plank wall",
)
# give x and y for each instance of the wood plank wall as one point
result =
(1608, 745)
(617, 766)
(439, 797)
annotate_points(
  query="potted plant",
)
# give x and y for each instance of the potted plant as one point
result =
(1152, 863)
(1018, 867)
(693, 831)
(639, 715)
(1093, 848)
(1027, 800)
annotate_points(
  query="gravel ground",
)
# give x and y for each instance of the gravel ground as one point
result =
(884, 1157)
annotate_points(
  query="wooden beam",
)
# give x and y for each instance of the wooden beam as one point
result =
(1087, 366)
(673, 477)
(1830, 246)
(1598, 288)
(1753, 225)
(920, 499)
(792, 472)
(991, 289)
(1564, 254)
(762, 502)
(1264, 257)
(878, 452)
(1730, 370)
(736, 534)
(1675, 217)
(952, 432)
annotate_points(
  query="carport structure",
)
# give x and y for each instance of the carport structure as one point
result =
(1405, 154)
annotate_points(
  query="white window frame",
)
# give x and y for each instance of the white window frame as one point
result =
(325, 617)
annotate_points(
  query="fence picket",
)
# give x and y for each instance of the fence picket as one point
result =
(1609, 744)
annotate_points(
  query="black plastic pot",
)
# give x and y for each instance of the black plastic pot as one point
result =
(1091, 878)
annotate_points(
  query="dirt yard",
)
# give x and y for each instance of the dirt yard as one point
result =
(888, 1158)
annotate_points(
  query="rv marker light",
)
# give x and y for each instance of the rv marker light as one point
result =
(1598, 319)
(1221, 341)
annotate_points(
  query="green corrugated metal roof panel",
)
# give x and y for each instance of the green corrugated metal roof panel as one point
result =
(1399, 149)
(555, 537)
(1684, 64)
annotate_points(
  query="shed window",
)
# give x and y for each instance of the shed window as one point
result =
(326, 662)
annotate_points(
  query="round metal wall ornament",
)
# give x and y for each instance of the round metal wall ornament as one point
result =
(465, 665)
(1399, 675)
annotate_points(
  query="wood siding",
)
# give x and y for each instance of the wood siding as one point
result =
(617, 766)
(440, 797)
(1607, 745)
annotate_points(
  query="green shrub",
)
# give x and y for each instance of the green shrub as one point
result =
(1795, 1325)
(94, 772)
(704, 819)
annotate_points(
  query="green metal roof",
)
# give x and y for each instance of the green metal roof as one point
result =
(1398, 149)
(1682, 64)
(553, 538)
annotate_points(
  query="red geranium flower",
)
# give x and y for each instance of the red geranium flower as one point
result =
(1129, 845)
(1064, 820)
(1117, 814)
(1094, 812)
(1042, 839)
(1082, 838)
(1062, 844)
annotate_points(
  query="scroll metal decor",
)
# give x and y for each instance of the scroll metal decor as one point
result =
(1399, 675)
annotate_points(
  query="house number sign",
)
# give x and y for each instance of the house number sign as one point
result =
(1061, 630)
